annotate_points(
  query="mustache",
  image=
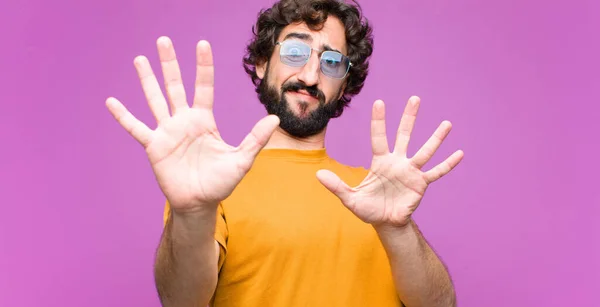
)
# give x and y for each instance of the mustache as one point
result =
(297, 86)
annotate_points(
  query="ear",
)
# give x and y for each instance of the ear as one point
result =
(260, 70)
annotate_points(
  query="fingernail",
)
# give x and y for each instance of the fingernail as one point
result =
(164, 41)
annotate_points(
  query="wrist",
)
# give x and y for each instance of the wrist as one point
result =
(387, 230)
(194, 210)
(398, 237)
(195, 218)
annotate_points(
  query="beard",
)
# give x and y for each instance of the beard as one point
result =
(310, 122)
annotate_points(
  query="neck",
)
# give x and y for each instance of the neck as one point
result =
(282, 139)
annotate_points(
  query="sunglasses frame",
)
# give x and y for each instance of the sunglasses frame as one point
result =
(310, 54)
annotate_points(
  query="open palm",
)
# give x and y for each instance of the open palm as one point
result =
(395, 185)
(194, 167)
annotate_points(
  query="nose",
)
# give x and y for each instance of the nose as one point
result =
(310, 71)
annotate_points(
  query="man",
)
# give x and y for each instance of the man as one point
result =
(275, 221)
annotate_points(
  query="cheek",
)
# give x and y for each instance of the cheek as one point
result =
(281, 74)
(332, 91)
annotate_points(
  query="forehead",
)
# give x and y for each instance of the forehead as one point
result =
(331, 36)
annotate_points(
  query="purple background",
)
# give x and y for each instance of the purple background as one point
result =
(520, 81)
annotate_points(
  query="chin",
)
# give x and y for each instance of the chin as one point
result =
(301, 108)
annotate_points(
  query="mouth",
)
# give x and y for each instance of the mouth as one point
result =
(304, 95)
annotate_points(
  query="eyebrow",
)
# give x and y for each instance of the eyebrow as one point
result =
(308, 38)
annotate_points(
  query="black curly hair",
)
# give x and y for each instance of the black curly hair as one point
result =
(271, 21)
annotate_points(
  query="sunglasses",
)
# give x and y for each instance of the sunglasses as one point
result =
(296, 53)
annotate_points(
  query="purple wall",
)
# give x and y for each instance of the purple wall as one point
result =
(515, 222)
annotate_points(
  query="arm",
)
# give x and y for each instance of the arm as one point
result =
(186, 262)
(420, 276)
(194, 168)
(387, 198)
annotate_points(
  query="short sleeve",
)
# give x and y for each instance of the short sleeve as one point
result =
(221, 232)
(166, 213)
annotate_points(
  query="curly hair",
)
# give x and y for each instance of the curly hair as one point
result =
(270, 23)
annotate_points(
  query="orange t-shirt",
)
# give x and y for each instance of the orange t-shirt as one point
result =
(287, 241)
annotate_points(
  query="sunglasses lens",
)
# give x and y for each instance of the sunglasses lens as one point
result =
(294, 53)
(334, 64)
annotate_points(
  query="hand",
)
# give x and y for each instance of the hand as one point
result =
(194, 167)
(395, 185)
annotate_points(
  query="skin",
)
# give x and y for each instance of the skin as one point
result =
(196, 169)
(393, 190)
(333, 35)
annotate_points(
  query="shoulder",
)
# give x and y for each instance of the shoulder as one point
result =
(350, 173)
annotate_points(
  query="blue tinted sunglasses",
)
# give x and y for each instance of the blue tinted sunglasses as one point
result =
(296, 53)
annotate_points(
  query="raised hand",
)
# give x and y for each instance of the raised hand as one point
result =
(194, 167)
(395, 185)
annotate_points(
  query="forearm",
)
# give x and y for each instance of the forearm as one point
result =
(186, 262)
(420, 277)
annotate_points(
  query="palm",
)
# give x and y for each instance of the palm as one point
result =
(395, 185)
(188, 156)
(390, 192)
(191, 162)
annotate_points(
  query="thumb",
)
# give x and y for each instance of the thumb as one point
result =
(335, 185)
(259, 136)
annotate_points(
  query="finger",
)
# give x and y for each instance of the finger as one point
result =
(379, 142)
(335, 185)
(445, 167)
(136, 128)
(205, 76)
(156, 99)
(406, 125)
(431, 146)
(258, 136)
(171, 74)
